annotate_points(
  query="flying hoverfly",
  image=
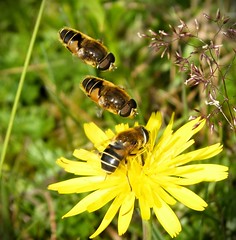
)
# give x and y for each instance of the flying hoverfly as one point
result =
(109, 96)
(89, 50)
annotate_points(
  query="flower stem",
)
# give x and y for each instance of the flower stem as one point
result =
(147, 230)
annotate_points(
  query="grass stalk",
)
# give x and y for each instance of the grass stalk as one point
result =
(20, 87)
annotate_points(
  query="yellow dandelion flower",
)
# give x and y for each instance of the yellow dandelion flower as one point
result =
(156, 177)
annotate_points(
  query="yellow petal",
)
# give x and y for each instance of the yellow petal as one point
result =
(144, 208)
(166, 152)
(121, 127)
(154, 122)
(125, 213)
(78, 185)
(160, 193)
(81, 168)
(168, 219)
(111, 193)
(110, 214)
(196, 173)
(153, 125)
(187, 197)
(178, 146)
(96, 135)
(180, 140)
(200, 154)
(167, 132)
(85, 155)
(90, 202)
(189, 129)
(110, 134)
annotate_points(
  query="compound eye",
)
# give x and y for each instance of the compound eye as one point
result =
(129, 109)
(107, 62)
(145, 134)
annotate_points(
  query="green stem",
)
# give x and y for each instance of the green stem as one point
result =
(21, 83)
(147, 230)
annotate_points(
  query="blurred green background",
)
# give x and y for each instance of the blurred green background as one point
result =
(52, 110)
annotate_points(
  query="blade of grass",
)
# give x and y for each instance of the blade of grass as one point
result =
(21, 83)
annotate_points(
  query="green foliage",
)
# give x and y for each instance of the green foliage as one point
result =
(52, 109)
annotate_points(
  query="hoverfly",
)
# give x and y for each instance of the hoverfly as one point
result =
(89, 50)
(109, 96)
(126, 143)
